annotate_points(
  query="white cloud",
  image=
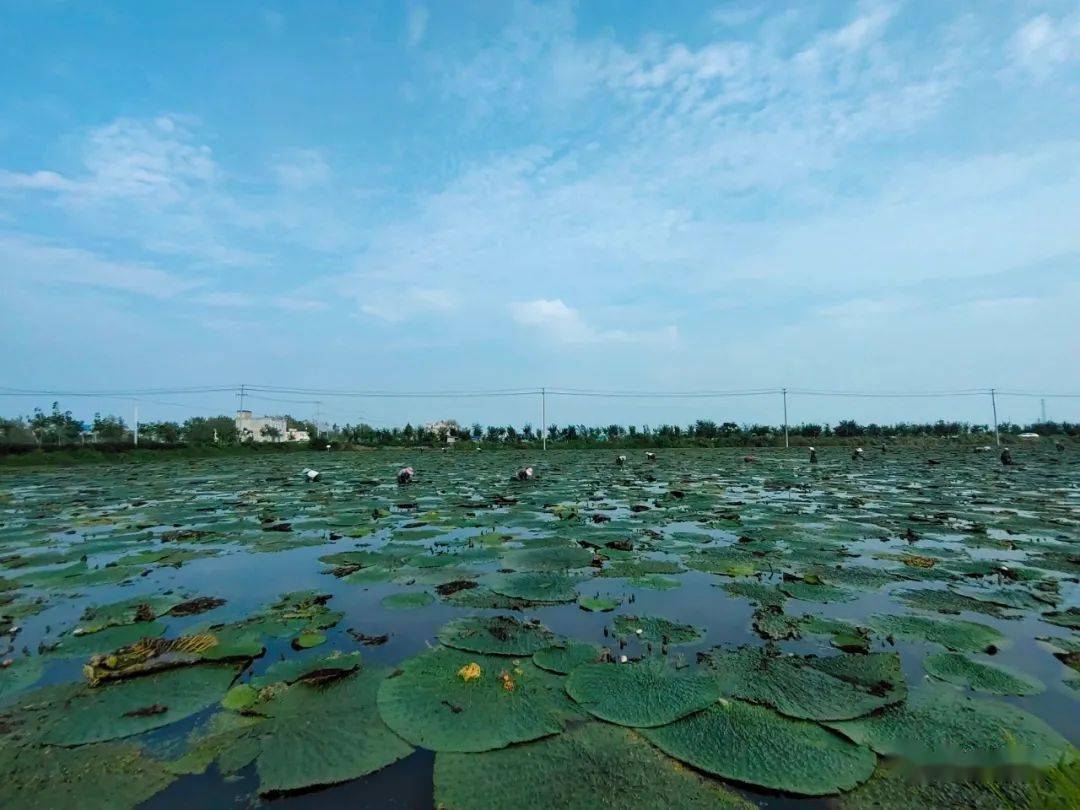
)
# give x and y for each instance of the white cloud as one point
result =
(1044, 44)
(416, 24)
(553, 318)
(303, 169)
(396, 305)
(35, 264)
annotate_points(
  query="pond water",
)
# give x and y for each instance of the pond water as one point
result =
(979, 560)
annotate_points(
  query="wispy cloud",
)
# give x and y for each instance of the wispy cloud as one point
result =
(416, 25)
(36, 264)
(557, 321)
(1046, 43)
(395, 305)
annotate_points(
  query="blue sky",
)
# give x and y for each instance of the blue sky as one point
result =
(616, 195)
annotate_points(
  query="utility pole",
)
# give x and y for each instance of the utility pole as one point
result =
(786, 444)
(1042, 403)
(318, 404)
(136, 429)
(993, 402)
(543, 418)
(241, 396)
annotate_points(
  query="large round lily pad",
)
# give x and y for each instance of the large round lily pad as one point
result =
(76, 715)
(108, 776)
(563, 658)
(303, 735)
(407, 600)
(954, 634)
(755, 745)
(980, 676)
(452, 700)
(557, 558)
(940, 727)
(649, 692)
(593, 765)
(657, 630)
(535, 586)
(809, 688)
(500, 635)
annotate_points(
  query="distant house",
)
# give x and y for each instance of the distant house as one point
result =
(263, 428)
(444, 430)
(1030, 436)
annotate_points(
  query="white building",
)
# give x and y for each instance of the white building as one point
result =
(444, 429)
(267, 429)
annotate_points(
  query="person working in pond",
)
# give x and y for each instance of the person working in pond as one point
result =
(1006, 457)
(813, 456)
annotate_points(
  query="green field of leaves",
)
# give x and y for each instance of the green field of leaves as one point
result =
(701, 629)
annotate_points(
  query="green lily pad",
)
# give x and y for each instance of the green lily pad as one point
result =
(408, 600)
(108, 776)
(813, 592)
(757, 593)
(106, 640)
(955, 634)
(562, 659)
(654, 582)
(534, 586)
(947, 601)
(547, 559)
(657, 630)
(305, 735)
(757, 746)
(309, 639)
(980, 676)
(452, 700)
(310, 670)
(129, 611)
(499, 635)
(599, 604)
(240, 698)
(583, 767)
(649, 692)
(941, 727)
(19, 676)
(805, 688)
(78, 715)
(895, 787)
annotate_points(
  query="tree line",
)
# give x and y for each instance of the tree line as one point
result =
(59, 428)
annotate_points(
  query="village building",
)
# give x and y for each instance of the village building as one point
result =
(267, 429)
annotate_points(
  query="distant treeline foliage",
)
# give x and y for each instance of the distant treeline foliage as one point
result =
(57, 428)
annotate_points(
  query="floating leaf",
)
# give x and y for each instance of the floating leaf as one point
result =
(410, 600)
(954, 634)
(430, 704)
(501, 635)
(588, 766)
(657, 630)
(535, 586)
(599, 604)
(649, 692)
(982, 677)
(79, 715)
(321, 669)
(805, 688)
(306, 735)
(108, 776)
(941, 727)
(755, 745)
(562, 659)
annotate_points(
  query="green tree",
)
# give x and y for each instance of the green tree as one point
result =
(108, 428)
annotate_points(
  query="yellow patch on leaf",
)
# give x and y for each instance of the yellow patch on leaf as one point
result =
(507, 681)
(915, 561)
(470, 672)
